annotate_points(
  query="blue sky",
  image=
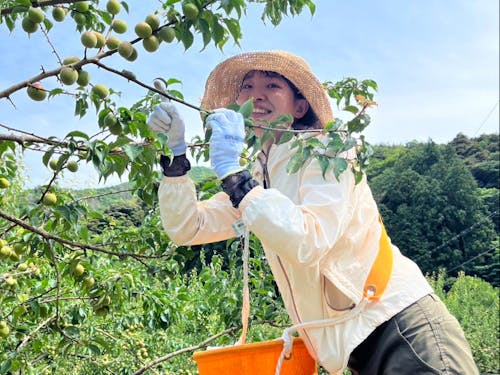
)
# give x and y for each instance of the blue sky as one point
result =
(436, 64)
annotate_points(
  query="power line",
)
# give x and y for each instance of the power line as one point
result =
(486, 118)
(465, 231)
(471, 259)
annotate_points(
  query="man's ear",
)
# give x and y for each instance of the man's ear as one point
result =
(301, 108)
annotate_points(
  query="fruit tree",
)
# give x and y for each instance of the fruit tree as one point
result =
(76, 300)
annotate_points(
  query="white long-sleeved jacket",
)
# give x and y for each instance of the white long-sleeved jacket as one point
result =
(320, 237)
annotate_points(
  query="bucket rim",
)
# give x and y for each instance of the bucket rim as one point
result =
(269, 344)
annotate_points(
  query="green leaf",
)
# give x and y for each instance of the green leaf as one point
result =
(295, 163)
(187, 38)
(351, 108)
(339, 166)
(234, 28)
(285, 137)
(246, 109)
(314, 142)
(359, 123)
(125, 6)
(370, 83)
(77, 134)
(133, 151)
(324, 162)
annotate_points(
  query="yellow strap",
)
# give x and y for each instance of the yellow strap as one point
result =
(379, 275)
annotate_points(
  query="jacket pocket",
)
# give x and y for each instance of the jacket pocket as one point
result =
(336, 301)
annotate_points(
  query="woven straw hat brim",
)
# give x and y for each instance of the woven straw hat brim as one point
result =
(224, 82)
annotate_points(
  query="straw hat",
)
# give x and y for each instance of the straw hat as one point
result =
(224, 83)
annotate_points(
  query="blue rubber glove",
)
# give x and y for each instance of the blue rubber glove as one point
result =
(166, 119)
(226, 143)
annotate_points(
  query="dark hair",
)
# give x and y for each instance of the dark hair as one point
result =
(309, 120)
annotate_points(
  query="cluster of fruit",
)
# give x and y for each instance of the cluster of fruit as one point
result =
(57, 164)
(148, 30)
(68, 75)
(36, 16)
(13, 253)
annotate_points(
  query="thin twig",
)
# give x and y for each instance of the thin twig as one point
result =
(45, 33)
(100, 64)
(32, 333)
(50, 236)
(203, 344)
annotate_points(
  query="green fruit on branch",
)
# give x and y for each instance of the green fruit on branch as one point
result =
(190, 11)
(101, 40)
(89, 282)
(72, 166)
(128, 74)
(20, 248)
(113, 7)
(106, 301)
(167, 34)
(70, 60)
(112, 123)
(36, 92)
(4, 331)
(143, 30)
(36, 15)
(22, 267)
(78, 270)
(151, 44)
(112, 42)
(14, 257)
(125, 49)
(4, 183)
(28, 25)
(172, 15)
(68, 75)
(82, 6)
(110, 119)
(5, 252)
(88, 39)
(53, 164)
(79, 18)
(153, 21)
(11, 282)
(83, 78)
(102, 311)
(119, 26)
(100, 91)
(49, 199)
(133, 55)
(58, 14)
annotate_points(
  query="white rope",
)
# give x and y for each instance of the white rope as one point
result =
(288, 332)
(245, 308)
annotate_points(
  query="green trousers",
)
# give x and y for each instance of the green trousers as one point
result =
(422, 339)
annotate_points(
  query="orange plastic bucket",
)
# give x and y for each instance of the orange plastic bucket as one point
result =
(258, 358)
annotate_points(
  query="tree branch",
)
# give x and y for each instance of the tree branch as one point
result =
(50, 236)
(185, 350)
(32, 334)
(100, 64)
(36, 4)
